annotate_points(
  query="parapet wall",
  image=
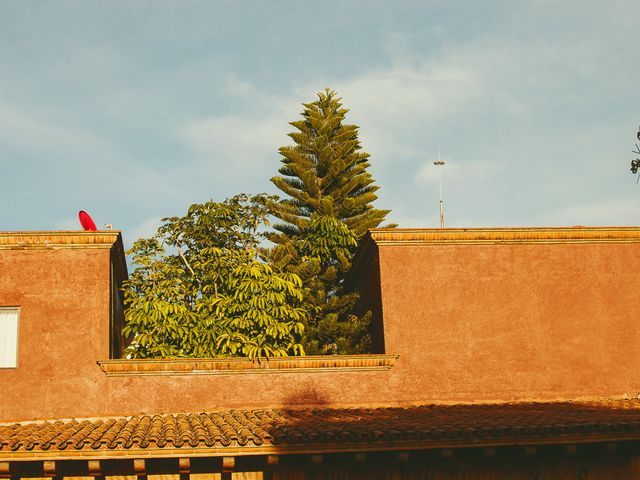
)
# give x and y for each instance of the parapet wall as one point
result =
(464, 315)
(511, 314)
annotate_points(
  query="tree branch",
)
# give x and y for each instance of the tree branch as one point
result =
(185, 261)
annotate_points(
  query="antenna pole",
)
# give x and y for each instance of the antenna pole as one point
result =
(440, 163)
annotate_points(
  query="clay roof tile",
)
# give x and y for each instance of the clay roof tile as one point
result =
(464, 424)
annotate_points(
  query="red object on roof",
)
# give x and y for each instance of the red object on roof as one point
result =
(86, 221)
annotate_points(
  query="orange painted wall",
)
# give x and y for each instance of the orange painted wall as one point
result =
(470, 322)
(63, 297)
(513, 322)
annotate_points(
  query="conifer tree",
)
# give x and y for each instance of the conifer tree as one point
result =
(327, 209)
(326, 162)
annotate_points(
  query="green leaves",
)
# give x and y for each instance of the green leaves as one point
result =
(328, 207)
(326, 162)
(200, 289)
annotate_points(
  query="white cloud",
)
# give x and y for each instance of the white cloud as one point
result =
(244, 144)
(401, 93)
(26, 130)
(399, 103)
(386, 104)
(237, 86)
(239, 143)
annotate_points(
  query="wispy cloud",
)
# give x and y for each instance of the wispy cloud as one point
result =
(531, 102)
(24, 130)
(238, 144)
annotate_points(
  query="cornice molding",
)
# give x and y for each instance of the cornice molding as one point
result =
(542, 235)
(408, 237)
(235, 366)
(58, 240)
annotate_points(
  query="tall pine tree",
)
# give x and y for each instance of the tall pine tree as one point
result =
(326, 162)
(328, 208)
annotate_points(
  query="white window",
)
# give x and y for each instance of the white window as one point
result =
(8, 337)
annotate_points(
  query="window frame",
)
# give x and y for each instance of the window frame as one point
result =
(16, 309)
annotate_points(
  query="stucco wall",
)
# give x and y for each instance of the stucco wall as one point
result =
(469, 321)
(63, 297)
(514, 321)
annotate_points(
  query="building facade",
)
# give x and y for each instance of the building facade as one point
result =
(498, 353)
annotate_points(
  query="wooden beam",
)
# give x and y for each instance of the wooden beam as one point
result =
(140, 468)
(272, 462)
(5, 469)
(228, 464)
(184, 467)
(49, 468)
(94, 467)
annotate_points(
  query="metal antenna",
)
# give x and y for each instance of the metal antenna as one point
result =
(440, 163)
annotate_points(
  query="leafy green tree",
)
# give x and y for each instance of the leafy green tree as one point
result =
(327, 209)
(200, 290)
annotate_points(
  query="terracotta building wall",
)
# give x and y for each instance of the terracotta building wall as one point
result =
(470, 321)
(507, 318)
(63, 296)
(61, 282)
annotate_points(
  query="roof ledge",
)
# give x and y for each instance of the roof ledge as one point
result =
(437, 236)
(235, 366)
(59, 239)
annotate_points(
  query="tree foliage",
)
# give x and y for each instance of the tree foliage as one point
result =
(326, 163)
(327, 209)
(205, 286)
(200, 290)
(635, 164)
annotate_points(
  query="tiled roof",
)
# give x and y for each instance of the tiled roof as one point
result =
(327, 429)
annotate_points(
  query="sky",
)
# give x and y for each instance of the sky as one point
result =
(134, 110)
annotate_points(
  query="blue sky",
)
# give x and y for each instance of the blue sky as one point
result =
(135, 110)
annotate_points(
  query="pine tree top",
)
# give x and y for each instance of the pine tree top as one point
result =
(325, 171)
